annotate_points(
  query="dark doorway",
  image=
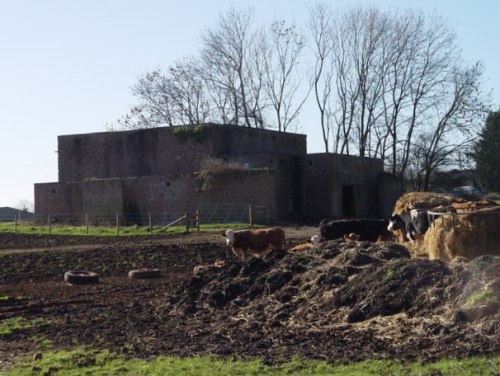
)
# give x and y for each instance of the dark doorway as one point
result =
(348, 203)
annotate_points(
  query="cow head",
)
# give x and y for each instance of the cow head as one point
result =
(229, 237)
(396, 223)
(315, 240)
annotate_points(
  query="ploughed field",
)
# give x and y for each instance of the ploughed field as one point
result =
(340, 301)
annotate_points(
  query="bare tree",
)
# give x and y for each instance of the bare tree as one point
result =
(360, 66)
(282, 51)
(320, 25)
(458, 117)
(187, 90)
(434, 55)
(178, 97)
(226, 56)
(243, 76)
(154, 108)
(25, 205)
(400, 87)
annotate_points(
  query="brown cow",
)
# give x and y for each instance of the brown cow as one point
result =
(256, 242)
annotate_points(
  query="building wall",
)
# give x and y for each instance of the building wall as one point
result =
(389, 190)
(156, 170)
(102, 196)
(62, 198)
(168, 150)
(257, 187)
(359, 175)
(316, 171)
(339, 186)
(132, 198)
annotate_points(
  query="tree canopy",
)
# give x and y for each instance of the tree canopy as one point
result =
(487, 155)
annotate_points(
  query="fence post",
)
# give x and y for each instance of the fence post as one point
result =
(87, 223)
(198, 220)
(15, 223)
(187, 221)
(250, 216)
(150, 224)
(50, 223)
(117, 225)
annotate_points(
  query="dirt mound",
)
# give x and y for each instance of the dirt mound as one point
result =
(282, 277)
(341, 283)
(339, 301)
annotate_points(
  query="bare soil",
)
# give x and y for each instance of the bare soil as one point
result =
(344, 301)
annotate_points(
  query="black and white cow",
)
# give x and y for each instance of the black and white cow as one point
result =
(410, 225)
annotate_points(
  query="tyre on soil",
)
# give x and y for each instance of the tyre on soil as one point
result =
(81, 277)
(145, 273)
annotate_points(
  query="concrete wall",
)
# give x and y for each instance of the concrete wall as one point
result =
(339, 186)
(61, 198)
(389, 190)
(155, 171)
(139, 196)
(169, 150)
(316, 171)
(102, 196)
(358, 175)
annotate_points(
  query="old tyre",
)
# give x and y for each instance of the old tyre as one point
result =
(145, 273)
(81, 277)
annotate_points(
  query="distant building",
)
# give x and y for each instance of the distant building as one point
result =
(8, 214)
(162, 170)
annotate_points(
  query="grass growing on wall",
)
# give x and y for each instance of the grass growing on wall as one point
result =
(195, 133)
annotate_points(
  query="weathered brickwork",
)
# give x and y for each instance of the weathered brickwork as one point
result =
(169, 150)
(157, 171)
(340, 186)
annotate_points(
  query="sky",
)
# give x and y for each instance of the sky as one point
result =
(67, 66)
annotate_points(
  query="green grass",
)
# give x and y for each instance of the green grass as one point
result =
(9, 227)
(81, 362)
(15, 323)
(482, 297)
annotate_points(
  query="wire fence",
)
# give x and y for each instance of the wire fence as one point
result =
(217, 213)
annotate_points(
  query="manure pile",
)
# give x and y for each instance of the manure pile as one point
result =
(350, 300)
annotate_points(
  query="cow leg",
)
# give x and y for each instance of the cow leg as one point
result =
(239, 253)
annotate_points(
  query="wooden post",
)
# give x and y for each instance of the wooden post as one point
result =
(187, 221)
(87, 223)
(150, 224)
(50, 223)
(250, 216)
(15, 223)
(117, 225)
(198, 220)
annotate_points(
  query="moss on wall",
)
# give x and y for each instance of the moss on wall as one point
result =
(195, 133)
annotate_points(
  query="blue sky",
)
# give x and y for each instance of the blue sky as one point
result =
(66, 66)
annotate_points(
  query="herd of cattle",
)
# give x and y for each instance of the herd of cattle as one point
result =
(408, 226)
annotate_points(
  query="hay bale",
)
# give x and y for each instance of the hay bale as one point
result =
(423, 200)
(464, 235)
(471, 206)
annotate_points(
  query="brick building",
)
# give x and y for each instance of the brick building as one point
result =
(161, 170)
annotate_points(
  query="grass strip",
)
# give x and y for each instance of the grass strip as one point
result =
(82, 362)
